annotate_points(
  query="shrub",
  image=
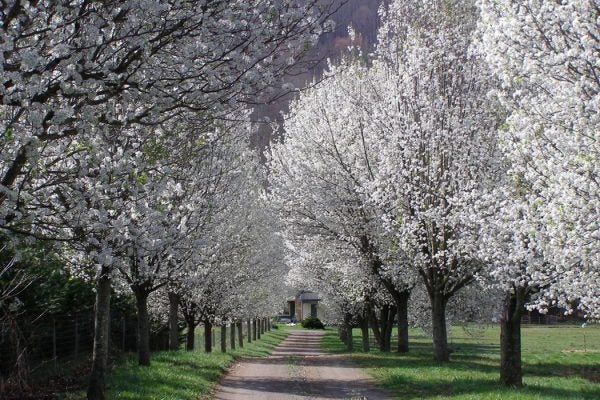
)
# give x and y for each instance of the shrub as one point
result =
(312, 323)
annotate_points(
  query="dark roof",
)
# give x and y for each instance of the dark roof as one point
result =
(307, 296)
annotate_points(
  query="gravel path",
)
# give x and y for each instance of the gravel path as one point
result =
(297, 369)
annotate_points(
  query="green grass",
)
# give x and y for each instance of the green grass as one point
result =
(179, 375)
(554, 363)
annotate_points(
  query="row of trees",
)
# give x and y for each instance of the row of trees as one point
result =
(463, 150)
(124, 137)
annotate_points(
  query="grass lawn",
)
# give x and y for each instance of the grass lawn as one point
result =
(179, 375)
(557, 364)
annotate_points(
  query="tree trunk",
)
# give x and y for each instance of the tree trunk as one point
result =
(190, 337)
(173, 321)
(441, 352)
(348, 329)
(240, 334)
(224, 338)
(207, 336)
(388, 326)
(402, 313)
(249, 329)
(96, 387)
(342, 333)
(385, 332)
(143, 326)
(511, 373)
(364, 327)
(382, 326)
(232, 335)
(375, 326)
(254, 329)
(258, 324)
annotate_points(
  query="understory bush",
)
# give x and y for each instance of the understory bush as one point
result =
(312, 323)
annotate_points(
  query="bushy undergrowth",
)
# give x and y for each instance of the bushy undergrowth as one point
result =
(312, 323)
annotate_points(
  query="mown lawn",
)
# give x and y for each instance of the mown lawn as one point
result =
(558, 363)
(179, 375)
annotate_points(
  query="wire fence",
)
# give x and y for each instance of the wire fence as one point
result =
(42, 351)
(48, 350)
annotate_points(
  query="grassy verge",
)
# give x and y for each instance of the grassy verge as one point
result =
(558, 363)
(180, 375)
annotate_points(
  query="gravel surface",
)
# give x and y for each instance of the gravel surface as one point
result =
(297, 369)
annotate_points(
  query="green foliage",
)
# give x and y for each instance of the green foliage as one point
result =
(312, 323)
(141, 179)
(155, 151)
(8, 134)
(50, 287)
(558, 363)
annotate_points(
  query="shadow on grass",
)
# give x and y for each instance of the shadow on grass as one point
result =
(408, 388)
(589, 372)
(472, 373)
(181, 375)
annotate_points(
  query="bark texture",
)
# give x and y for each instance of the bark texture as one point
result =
(348, 329)
(190, 337)
(143, 326)
(364, 328)
(402, 316)
(441, 352)
(96, 388)
(173, 321)
(232, 335)
(223, 338)
(240, 334)
(207, 336)
(382, 326)
(511, 372)
(249, 329)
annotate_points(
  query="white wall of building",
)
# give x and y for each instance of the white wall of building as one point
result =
(305, 310)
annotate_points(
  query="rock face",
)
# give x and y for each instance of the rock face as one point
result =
(363, 17)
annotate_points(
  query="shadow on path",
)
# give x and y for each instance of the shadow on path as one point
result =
(298, 369)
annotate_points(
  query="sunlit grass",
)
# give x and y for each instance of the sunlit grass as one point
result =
(180, 375)
(558, 363)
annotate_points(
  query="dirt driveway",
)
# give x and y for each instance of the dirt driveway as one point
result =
(297, 369)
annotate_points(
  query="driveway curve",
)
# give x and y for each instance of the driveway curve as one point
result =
(297, 369)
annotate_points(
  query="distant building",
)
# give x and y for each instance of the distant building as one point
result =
(305, 304)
